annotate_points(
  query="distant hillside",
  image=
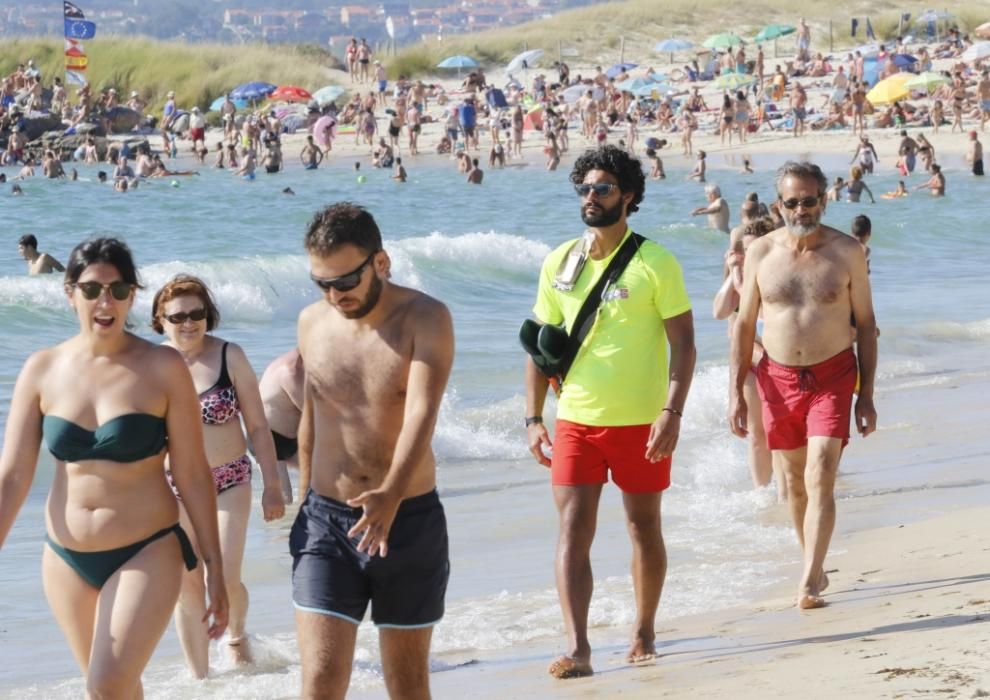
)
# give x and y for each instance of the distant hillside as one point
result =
(594, 34)
(198, 73)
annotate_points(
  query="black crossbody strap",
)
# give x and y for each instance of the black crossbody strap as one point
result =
(585, 318)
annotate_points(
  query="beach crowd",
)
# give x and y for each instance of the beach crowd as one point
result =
(153, 442)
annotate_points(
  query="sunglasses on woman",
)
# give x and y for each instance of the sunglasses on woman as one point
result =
(343, 283)
(119, 290)
(177, 319)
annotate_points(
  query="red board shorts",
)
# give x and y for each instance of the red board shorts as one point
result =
(197, 134)
(803, 402)
(584, 454)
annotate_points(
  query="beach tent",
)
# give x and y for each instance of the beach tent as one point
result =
(903, 61)
(867, 50)
(722, 41)
(534, 119)
(889, 90)
(524, 60)
(290, 93)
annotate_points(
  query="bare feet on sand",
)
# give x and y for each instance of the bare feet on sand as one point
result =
(565, 667)
(641, 650)
(240, 650)
(809, 598)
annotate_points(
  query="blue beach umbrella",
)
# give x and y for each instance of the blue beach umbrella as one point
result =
(253, 91)
(218, 103)
(328, 94)
(619, 68)
(634, 84)
(672, 46)
(904, 61)
(774, 31)
(458, 62)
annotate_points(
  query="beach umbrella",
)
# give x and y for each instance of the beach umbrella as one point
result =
(320, 130)
(218, 103)
(977, 51)
(634, 84)
(328, 94)
(774, 31)
(889, 90)
(903, 61)
(867, 50)
(722, 41)
(619, 69)
(575, 92)
(926, 82)
(458, 62)
(253, 91)
(291, 93)
(524, 60)
(734, 81)
(983, 31)
(650, 89)
(672, 46)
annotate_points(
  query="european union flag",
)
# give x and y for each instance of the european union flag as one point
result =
(79, 29)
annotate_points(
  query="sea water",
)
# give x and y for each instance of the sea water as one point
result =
(479, 250)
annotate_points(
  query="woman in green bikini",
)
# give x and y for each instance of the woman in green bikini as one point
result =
(106, 403)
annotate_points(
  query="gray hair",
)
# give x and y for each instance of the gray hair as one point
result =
(804, 170)
(713, 189)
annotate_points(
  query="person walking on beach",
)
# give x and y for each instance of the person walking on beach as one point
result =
(113, 563)
(974, 154)
(185, 313)
(37, 263)
(619, 408)
(808, 280)
(371, 527)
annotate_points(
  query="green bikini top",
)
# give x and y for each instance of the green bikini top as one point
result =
(127, 438)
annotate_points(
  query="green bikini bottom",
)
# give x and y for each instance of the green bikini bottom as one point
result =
(97, 567)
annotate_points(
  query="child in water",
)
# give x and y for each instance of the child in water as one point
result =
(901, 191)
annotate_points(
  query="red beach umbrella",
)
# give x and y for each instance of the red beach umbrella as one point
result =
(290, 93)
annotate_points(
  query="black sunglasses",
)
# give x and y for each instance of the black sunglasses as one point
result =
(343, 283)
(181, 317)
(601, 189)
(806, 202)
(119, 290)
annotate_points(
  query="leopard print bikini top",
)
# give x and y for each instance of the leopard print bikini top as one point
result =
(218, 404)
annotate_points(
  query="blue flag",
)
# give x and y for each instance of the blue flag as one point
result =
(79, 29)
(72, 12)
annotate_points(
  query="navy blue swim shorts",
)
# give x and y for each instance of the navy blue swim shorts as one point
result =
(406, 588)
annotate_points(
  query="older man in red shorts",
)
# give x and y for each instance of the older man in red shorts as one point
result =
(809, 280)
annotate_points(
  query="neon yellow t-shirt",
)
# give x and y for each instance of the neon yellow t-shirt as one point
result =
(619, 376)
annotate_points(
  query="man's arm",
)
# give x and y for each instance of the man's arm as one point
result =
(861, 299)
(55, 264)
(666, 429)
(537, 435)
(744, 335)
(433, 355)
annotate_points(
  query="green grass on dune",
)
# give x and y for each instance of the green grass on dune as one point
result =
(199, 73)
(594, 32)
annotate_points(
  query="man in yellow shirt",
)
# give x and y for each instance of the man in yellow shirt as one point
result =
(615, 412)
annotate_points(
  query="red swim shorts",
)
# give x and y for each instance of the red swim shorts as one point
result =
(584, 454)
(197, 134)
(803, 402)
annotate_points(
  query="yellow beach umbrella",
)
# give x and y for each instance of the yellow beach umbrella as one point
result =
(890, 89)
